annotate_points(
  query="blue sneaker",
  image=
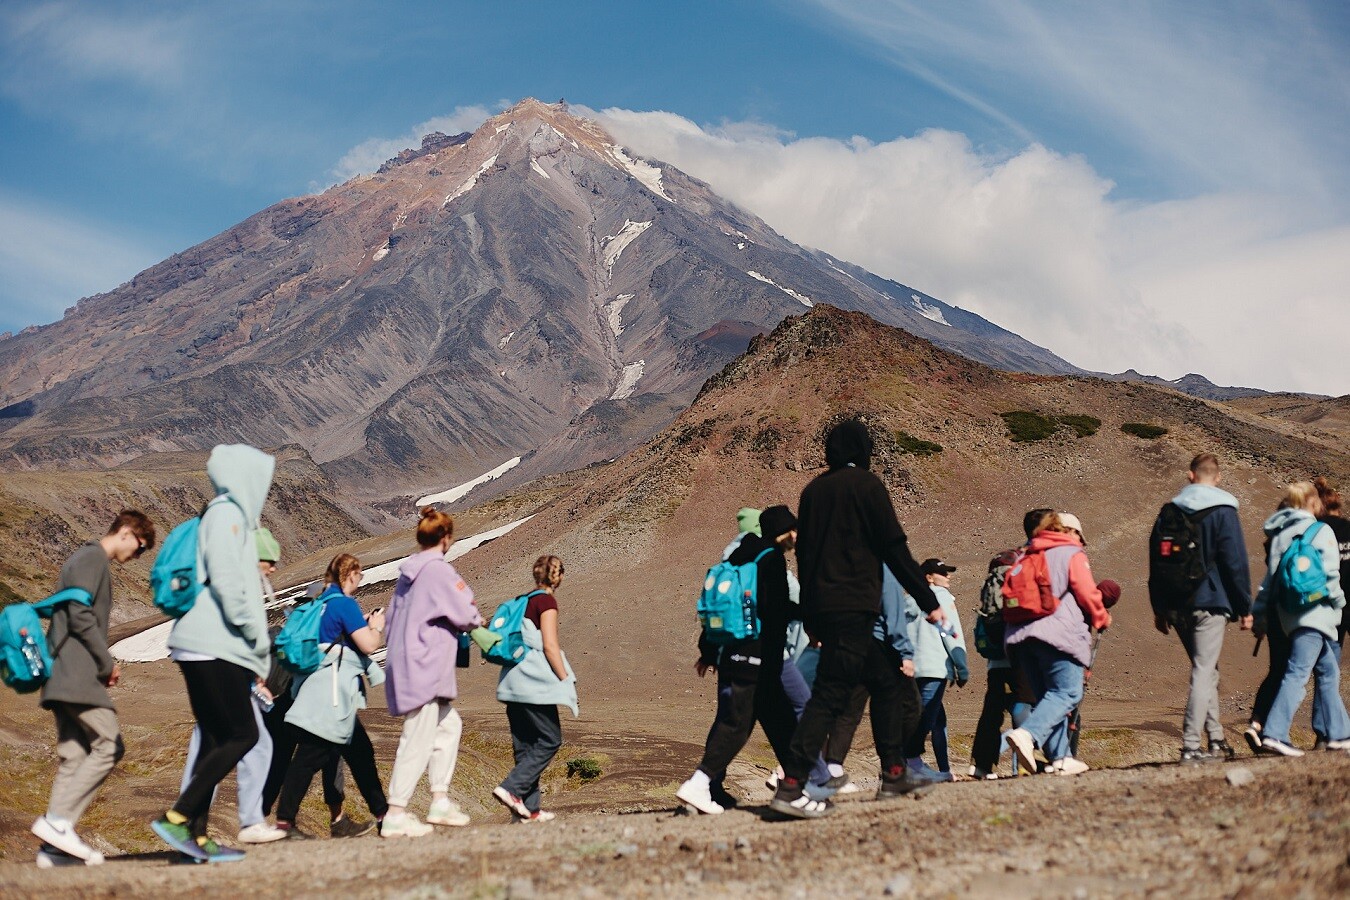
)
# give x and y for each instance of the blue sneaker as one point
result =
(179, 837)
(820, 791)
(215, 853)
(927, 774)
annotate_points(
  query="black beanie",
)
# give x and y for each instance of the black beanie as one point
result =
(848, 442)
(776, 520)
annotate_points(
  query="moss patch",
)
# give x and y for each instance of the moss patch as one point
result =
(1025, 427)
(908, 443)
(1083, 425)
(1143, 430)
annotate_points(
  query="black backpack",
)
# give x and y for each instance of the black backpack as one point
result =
(1176, 555)
(990, 628)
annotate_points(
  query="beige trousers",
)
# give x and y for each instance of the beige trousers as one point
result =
(89, 744)
(430, 739)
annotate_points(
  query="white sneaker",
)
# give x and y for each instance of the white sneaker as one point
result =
(61, 835)
(446, 812)
(1069, 766)
(406, 825)
(772, 781)
(698, 797)
(1342, 744)
(48, 857)
(538, 817)
(1280, 747)
(261, 833)
(510, 801)
(1023, 747)
(850, 788)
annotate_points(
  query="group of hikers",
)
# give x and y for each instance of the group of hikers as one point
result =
(862, 622)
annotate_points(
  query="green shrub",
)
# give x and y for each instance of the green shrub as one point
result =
(1028, 426)
(1142, 430)
(1085, 426)
(908, 443)
(587, 768)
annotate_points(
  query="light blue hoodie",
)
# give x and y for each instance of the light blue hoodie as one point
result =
(532, 680)
(933, 650)
(1282, 528)
(227, 621)
(1195, 497)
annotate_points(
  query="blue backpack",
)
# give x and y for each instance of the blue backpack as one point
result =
(25, 661)
(1300, 577)
(507, 621)
(297, 644)
(728, 608)
(174, 577)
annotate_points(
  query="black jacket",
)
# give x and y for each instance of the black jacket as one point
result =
(847, 530)
(773, 606)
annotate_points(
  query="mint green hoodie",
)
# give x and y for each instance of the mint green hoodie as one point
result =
(227, 621)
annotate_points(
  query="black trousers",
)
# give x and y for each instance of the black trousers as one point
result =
(1278, 642)
(747, 694)
(284, 739)
(219, 694)
(840, 740)
(314, 753)
(851, 657)
(1000, 693)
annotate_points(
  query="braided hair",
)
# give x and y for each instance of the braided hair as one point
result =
(548, 572)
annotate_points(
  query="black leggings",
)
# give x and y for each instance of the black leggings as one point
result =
(1278, 642)
(746, 695)
(314, 753)
(219, 694)
(284, 738)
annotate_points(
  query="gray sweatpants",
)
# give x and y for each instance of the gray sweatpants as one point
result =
(1201, 633)
(89, 744)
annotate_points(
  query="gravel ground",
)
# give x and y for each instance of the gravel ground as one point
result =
(1163, 831)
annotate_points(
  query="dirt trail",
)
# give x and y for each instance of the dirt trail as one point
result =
(1153, 830)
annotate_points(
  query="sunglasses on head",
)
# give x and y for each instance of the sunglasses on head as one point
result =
(141, 547)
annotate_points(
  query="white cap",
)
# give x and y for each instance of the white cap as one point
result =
(1069, 520)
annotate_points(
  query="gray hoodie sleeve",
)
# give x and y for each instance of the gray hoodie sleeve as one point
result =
(231, 564)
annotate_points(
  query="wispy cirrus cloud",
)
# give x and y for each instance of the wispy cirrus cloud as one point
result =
(1035, 241)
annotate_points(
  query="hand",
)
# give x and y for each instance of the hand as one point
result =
(116, 675)
(1160, 623)
(702, 668)
(938, 617)
(907, 667)
(264, 693)
(1245, 623)
(376, 620)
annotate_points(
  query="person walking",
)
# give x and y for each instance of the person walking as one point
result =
(848, 530)
(939, 657)
(431, 609)
(750, 685)
(221, 644)
(1309, 620)
(1055, 647)
(88, 738)
(1199, 581)
(532, 690)
(252, 770)
(327, 701)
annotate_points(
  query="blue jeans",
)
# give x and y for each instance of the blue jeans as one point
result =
(1319, 724)
(1310, 653)
(932, 721)
(1057, 679)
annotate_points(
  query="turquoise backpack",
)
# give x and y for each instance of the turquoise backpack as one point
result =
(728, 608)
(508, 621)
(25, 661)
(174, 577)
(1300, 577)
(297, 643)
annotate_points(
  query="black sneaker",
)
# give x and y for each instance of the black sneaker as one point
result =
(906, 781)
(1196, 757)
(837, 781)
(347, 827)
(1222, 750)
(791, 800)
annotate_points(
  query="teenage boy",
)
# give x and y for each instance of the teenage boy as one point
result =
(1200, 608)
(88, 740)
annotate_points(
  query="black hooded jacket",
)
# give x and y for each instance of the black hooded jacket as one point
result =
(848, 529)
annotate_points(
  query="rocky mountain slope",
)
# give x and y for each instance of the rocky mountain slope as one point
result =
(529, 288)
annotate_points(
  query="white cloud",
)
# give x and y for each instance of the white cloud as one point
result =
(371, 153)
(1036, 242)
(50, 259)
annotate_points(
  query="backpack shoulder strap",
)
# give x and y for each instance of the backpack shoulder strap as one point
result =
(68, 595)
(762, 554)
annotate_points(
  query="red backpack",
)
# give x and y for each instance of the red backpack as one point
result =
(1027, 593)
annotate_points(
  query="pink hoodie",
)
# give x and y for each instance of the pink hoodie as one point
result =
(431, 607)
(1066, 629)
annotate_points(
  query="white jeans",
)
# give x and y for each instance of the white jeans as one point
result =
(430, 735)
(251, 773)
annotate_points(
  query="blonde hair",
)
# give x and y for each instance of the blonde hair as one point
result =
(548, 571)
(434, 527)
(1052, 522)
(341, 566)
(1302, 495)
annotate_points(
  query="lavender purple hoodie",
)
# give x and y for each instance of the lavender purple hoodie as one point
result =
(432, 605)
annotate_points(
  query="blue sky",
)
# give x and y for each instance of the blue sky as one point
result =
(1129, 184)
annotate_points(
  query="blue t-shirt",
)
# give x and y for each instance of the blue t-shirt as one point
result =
(342, 614)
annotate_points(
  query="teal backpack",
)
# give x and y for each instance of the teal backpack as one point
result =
(25, 661)
(728, 606)
(297, 643)
(174, 578)
(1300, 577)
(507, 621)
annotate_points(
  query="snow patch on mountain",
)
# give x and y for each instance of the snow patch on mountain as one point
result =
(381, 253)
(643, 171)
(628, 380)
(615, 244)
(473, 180)
(800, 298)
(929, 312)
(614, 311)
(503, 127)
(534, 164)
(506, 340)
(459, 490)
